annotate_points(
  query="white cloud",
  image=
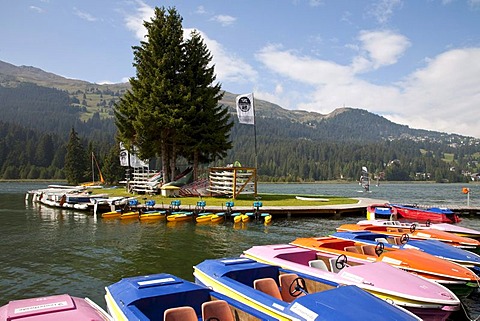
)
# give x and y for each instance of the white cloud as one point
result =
(443, 95)
(315, 3)
(382, 48)
(446, 92)
(200, 10)
(224, 20)
(37, 9)
(84, 15)
(303, 69)
(134, 22)
(384, 9)
(228, 67)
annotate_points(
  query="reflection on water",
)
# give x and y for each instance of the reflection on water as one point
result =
(48, 251)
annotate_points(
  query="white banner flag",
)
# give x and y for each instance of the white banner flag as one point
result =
(123, 156)
(131, 159)
(245, 109)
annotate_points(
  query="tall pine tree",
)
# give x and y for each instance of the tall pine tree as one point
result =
(75, 160)
(149, 116)
(208, 123)
(172, 109)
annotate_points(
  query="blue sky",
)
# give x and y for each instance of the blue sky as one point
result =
(414, 62)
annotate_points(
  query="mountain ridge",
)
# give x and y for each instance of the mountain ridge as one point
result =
(102, 97)
(293, 145)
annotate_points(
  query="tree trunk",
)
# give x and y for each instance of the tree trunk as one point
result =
(164, 163)
(173, 160)
(195, 165)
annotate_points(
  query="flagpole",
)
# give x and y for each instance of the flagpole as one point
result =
(246, 115)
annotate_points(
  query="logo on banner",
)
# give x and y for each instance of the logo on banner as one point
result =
(244, 104)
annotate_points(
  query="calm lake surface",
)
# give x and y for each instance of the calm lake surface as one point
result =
(45, 251)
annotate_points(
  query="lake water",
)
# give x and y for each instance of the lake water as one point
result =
(45, 251)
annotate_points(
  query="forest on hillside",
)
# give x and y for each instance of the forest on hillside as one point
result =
(35, 123)
(298, 159)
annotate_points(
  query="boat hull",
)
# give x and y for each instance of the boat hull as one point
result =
(112, 214)
(56, 307)
(133, 215)
(433, 215)
(180, 217)
(152, 216)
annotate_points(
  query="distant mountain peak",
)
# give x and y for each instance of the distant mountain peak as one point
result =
(10, 74)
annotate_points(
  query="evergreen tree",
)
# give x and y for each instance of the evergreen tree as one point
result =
(149, 116)
(111, 169)
(208, 123)
(172, 109)
(75, 164)
(44, 151)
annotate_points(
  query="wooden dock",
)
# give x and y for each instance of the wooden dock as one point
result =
(354, 210)
(359, 209)
(465, 210)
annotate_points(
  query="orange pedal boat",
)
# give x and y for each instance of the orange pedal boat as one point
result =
(462, 242)
(459, 279)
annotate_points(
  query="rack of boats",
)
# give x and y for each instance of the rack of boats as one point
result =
(174, 213)
(76, 197)
(356, 273)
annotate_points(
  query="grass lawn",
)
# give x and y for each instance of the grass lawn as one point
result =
(242, 200)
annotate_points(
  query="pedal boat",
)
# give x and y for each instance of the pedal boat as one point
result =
(130, 215)
(256, 215)
(240, 217)
(282, 293)
(165, 297)
(381, 210)
(424, 234)
(432, 214)
(457, 278)
(55, 307)
(427, 299)
(265, 218)
(112, 214)
(180, 216)
(247, 217)
(210, 217)
(433, 247)
(446, 227)
(152, 215)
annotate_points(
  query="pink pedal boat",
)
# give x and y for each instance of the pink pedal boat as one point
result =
(52, 308)
(427, 299)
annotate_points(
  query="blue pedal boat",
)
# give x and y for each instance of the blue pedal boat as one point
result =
(288, 295)
(165, 297)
